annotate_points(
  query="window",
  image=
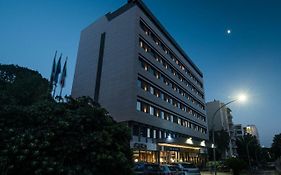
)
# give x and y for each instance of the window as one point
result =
(151, 90)
(148, 132)
(157, 112)
(151, 110)
(154, 134)
(160, 134)
(162, 115)
(139, 83)
(144, 108)
(138, 106)
(156, 93)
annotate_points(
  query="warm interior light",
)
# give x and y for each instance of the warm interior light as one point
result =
(189, 141)
(203, 143)
(178, 146)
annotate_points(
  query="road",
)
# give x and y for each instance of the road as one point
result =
(255, 173)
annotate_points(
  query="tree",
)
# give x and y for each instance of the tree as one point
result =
(250, 142)
(236, 165)
(276, 146)
(222, 143)
(46, 137)
(21, 86)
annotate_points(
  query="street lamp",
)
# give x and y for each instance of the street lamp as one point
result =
(241, 98)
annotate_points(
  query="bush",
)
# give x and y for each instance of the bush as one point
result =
(236, 165)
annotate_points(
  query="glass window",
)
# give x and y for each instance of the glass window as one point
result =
(157, 112)
(154, 133)
(151, 110)
(160, 134)
(139, 83)
(162, 114)
(138, 106)
(148, 132)
(151, 90)
(144, 108)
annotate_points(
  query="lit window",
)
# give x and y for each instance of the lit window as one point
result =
(141, 44)
(146, 67)
(145, 87)
(160, 134)
(146, 49)
(179, 121)
(138, 106)
(154, 133)
(157, 112)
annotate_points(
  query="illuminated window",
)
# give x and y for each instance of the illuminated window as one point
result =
(157, 112)
(154, 133)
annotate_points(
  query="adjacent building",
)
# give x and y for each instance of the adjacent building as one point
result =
(131, 65)
(252, 130)
(238, 130)
(220, 118)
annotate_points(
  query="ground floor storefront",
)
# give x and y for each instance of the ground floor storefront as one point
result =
(169, 153)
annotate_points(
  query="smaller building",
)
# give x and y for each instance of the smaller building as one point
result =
(238, 130)
(252, 130)
(222, 120)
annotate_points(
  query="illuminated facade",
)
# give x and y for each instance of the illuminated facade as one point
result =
(252, 130)
(130, 64)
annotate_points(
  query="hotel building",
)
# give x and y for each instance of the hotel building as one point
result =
(131, 65)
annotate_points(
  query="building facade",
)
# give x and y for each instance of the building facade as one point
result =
(129, 63)
(252, 130)
(238, 130)
(222, 121)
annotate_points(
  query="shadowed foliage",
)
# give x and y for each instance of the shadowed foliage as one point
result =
(40, 136)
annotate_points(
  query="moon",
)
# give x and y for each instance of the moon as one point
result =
(228, 31)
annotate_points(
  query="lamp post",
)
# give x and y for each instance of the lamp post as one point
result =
(241, 98)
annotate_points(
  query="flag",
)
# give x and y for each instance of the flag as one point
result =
(58, 70)
(53, 70)
(63, 74)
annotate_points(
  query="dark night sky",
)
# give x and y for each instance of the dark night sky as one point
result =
(247, 60)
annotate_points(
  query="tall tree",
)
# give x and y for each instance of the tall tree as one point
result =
(276, 146)
(222, 140)
(46, 137)
(251, 143)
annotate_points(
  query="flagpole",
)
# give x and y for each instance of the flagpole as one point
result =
(60, 93)
(54, 90)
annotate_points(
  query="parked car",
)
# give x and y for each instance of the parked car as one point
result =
(147, 169)
(188, 168)
(171, 170)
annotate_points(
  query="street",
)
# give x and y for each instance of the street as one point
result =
(245, 173)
